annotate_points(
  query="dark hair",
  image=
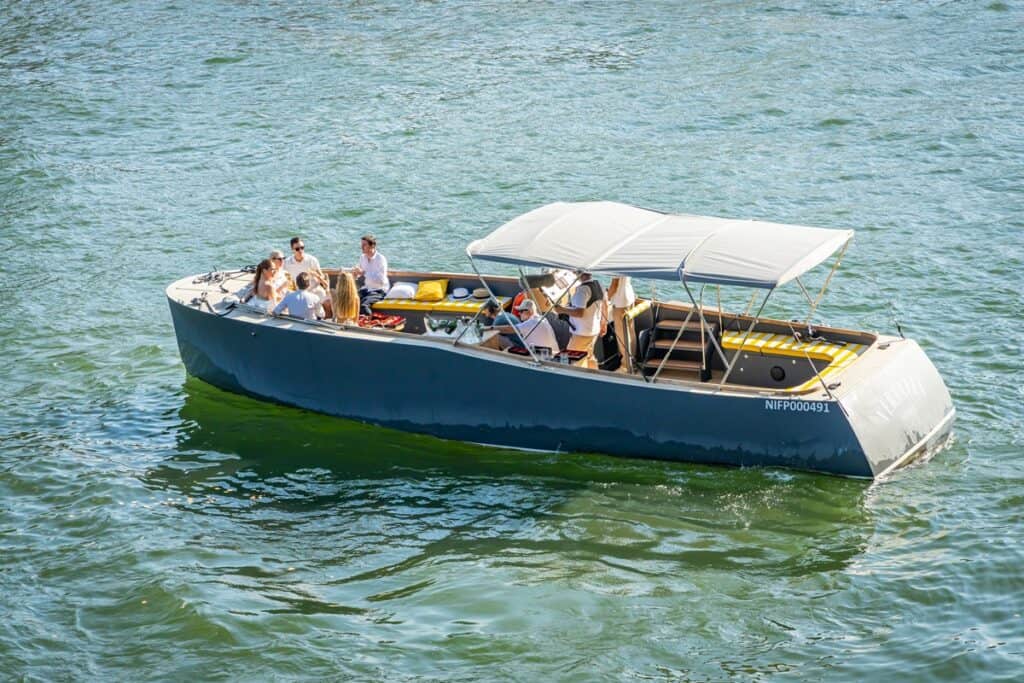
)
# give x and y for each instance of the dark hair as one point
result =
(369, 239)
(302, 281)
(264, 264)
(492, 306)
(295, 240)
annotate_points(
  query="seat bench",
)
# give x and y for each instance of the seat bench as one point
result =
(446, 305)
(838, 356)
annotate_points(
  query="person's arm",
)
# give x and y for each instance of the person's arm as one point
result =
(281, 307)
(604, 317)
(569, 311)
(322, 278)
(613, 287)
(357, 269)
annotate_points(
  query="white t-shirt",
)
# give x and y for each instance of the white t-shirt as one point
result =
(537, 331)
(589, 324)
(308, 263)
(624, 296)
(301, 304)
(375, 271)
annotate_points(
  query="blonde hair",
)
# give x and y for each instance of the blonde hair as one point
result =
(346, 299)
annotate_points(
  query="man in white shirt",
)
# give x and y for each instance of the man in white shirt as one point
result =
(373, 267)
(588, 316)
(301, 262)
(301, 303)
(533, 328)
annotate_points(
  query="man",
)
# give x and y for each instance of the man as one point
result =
(491, 315)
(588, 316)
(301, 303)
(533, 328)
(373, 267)
(301, 262)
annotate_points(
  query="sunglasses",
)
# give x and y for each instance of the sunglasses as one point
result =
(299, 247)
(278, 258)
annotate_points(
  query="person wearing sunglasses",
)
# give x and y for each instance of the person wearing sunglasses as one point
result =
(283, 282)
(301, 262)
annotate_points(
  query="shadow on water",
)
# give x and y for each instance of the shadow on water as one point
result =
(238, 455)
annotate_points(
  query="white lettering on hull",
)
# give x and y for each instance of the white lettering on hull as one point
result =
(796, 406)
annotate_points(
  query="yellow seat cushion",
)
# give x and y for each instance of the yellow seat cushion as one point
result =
(463, 306)
(837, 355)
(431, 290)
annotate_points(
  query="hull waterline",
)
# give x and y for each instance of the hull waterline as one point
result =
(418, 385)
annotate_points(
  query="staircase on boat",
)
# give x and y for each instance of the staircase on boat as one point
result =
(679, 348)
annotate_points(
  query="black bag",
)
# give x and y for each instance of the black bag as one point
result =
(606, 350)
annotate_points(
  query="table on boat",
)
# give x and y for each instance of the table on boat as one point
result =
(488, 338)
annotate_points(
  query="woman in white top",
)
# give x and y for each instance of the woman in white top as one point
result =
(622, 298)
(263, 295)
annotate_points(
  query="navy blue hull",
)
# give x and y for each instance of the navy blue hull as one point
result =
(422, 387)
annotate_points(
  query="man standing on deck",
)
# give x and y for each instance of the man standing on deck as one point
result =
(588, 316)
(373, 267)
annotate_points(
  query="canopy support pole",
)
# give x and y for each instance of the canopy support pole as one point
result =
(743, 343)
(529, 349)
(703, 321)
(682, 328)
(817, 374)
(750, 304)
(805, 292)
(835, 267)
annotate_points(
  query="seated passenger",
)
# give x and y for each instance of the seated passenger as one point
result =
(346, 300)
(301, 303)
(491, 315)
(301, 262)
(283, 281)
(533, 329)
(373, 267)
(262, 294)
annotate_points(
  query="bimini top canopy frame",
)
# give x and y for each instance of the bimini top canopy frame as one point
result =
(618, 239)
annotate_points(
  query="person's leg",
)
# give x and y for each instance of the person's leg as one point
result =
(621, 339)
(581, 343)
(367, 298)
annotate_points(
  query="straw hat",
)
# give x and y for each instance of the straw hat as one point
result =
(481, 293)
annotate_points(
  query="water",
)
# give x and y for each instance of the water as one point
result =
(152, 525)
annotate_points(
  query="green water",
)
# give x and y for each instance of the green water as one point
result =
(152, 526)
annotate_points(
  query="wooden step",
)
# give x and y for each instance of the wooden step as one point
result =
(679, 365)
(692, 326)
(681, 345)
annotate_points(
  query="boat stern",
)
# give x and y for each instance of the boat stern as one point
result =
(898, 405)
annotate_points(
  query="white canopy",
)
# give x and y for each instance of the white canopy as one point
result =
(613, 238)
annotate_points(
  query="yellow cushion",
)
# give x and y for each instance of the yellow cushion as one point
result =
(464, 306)
(431, 290)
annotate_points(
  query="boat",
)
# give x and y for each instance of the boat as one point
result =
(703, 385)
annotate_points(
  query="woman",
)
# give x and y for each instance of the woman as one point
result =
(346, 300)
(622, 298)
(263, 294)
